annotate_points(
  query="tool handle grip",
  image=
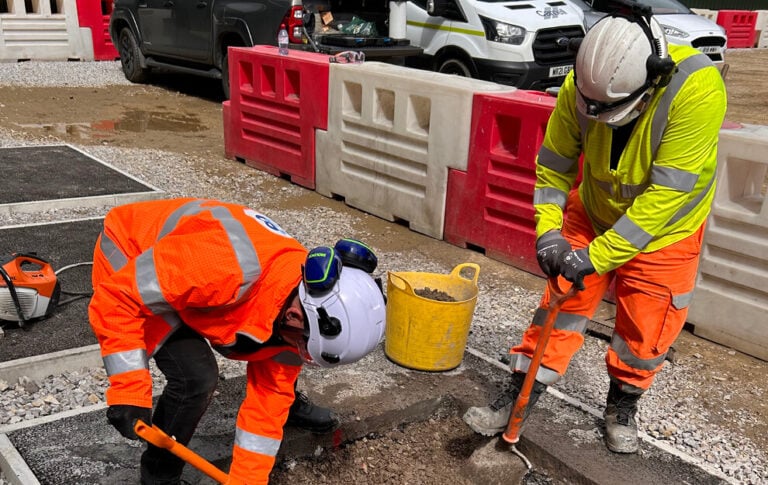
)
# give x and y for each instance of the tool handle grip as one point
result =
(156, 436)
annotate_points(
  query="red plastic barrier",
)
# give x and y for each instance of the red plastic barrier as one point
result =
(739, 26)
(276, 103)
(490, 206)
(94, 14)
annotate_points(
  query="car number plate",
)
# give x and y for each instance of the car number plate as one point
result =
(558, 71)
(709, 49)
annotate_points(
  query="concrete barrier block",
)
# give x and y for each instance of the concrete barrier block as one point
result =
(393, 133)
(731, 300)
(39, 30)
(710, 14)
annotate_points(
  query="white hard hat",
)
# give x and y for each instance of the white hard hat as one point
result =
(346, 318)
(619, 64)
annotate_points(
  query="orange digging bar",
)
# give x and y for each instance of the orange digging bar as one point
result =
(556, 300)
(157, 437)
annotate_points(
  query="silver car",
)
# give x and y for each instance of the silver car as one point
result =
(681, 25)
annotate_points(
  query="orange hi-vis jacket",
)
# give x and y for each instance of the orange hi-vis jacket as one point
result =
(222, 269)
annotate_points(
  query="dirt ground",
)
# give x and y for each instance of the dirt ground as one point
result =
(183, 114)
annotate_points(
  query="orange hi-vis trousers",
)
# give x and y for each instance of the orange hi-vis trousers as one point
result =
(652, 290)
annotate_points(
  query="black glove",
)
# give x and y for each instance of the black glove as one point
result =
(549, 247)
(575, 265)
(123, 417)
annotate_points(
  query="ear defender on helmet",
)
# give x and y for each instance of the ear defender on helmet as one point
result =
(321, 270)
(356, 254)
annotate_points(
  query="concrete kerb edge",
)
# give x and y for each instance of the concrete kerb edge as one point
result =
(13, 466)
(40, 366)
(666, 448)
(77, 202)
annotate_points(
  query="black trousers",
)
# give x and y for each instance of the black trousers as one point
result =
(192, 373)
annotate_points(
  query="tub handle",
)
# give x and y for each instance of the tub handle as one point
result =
(396, 280)
(456, 273)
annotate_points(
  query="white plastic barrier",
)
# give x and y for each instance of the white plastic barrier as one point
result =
(49, 31)
(730, 305)
(393, 133)
(761, 29)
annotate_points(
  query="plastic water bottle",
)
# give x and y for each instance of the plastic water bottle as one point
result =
(282, 41)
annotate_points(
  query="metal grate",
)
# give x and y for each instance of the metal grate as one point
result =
(551, 46)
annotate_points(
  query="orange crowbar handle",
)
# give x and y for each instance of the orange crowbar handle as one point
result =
(159, 438)
(556, 300)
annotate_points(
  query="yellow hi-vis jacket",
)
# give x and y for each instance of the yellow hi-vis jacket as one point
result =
(662, 188)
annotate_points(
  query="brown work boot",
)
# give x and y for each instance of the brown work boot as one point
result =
(494, 418)
(620, 424)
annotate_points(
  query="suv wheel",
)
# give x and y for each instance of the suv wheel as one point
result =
(225, 74)
(455, 66)
(130, 57)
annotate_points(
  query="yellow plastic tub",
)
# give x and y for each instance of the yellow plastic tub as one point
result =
(428, 334)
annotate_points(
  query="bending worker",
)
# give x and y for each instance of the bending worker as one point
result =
(173, 278)
(645, 116)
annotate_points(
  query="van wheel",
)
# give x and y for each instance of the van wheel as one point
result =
(455, 66)
(130, 57)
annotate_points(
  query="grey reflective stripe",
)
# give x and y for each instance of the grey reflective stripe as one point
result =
(682, 301)
(627, 191)
(633, 233)
(190, 208)
(550, 196)
(521, 363)
(620, 347)
(687, 208)
(630, 191)
(661, 116)
(553, 161)
(606, 186)
(245, 253)
(674, 178)
(288, 358)
(563, 321)
(126, 361)
(254, 443)
(114, 256)
(148, 284)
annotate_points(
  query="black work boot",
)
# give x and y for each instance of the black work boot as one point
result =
(305, 415)
(620, 424)
(494, 418)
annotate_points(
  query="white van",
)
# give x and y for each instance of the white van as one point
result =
(521, 43)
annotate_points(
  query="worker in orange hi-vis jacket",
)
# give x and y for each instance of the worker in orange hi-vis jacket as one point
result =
(644, 117)
(174, 278)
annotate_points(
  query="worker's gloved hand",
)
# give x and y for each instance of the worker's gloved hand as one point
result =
(575, 265)
(123, 417)
(549, 247)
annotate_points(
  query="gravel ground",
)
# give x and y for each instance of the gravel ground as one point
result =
(501, 315)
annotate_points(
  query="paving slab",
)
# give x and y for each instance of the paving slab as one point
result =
(62, 245)
(372, 397)
(57, 176)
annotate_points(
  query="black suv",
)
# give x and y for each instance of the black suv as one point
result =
(192, 36)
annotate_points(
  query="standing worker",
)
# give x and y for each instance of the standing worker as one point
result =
(173, 278)
(645, 116)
